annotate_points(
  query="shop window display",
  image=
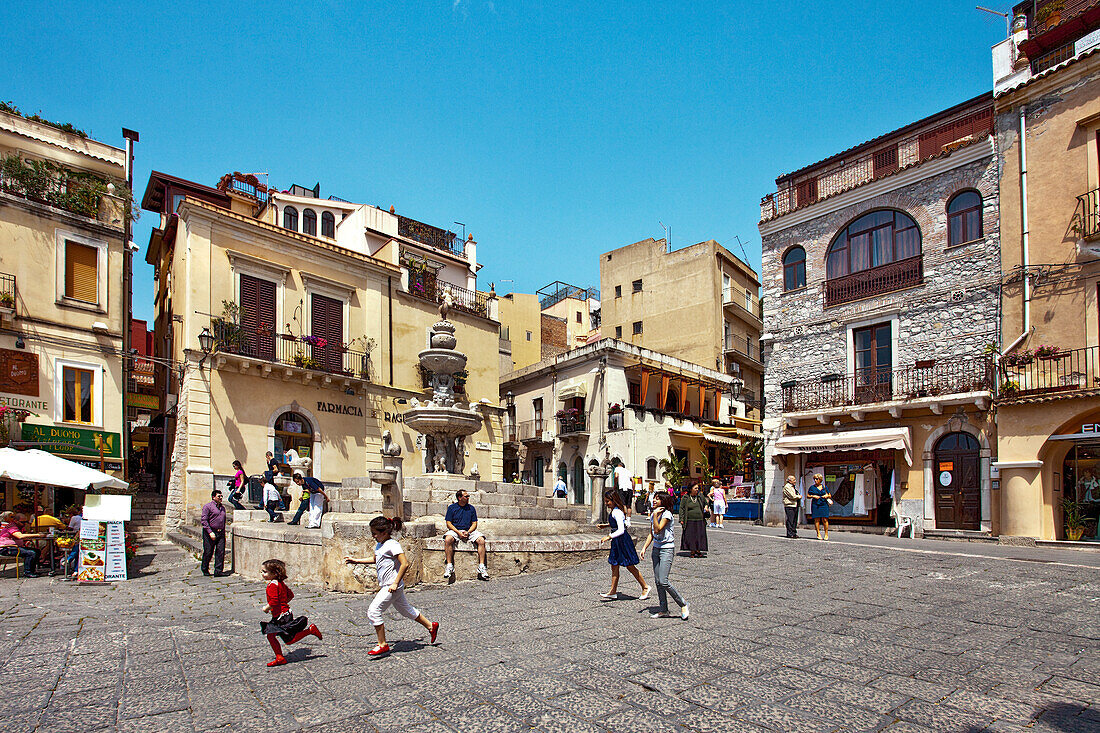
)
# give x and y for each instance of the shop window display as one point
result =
(293, 431)
(857, 488)
(1081, 487)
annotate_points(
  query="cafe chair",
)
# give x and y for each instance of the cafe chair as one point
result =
(14, 560)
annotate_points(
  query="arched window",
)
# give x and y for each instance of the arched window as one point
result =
(794, 269)
(651, 469)
(328, 225)
(290, 218)
(293, 430)
(958, 441)
(964, 218)
(309, 222)
(873, 240)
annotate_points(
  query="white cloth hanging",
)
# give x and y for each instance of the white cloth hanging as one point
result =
(859, 496)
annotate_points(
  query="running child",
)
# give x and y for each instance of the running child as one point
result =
(390, 561)
(622, 546)
(283, 623)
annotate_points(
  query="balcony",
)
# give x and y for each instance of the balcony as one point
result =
(54, 185)
(305, 353)
(573, 426)
(926, 380)
(1089, 224)
(735, 303)
(511, 433)
(7, 296)
(740, 349)
(529, 430)
(877, 281)
(425, 285)
(433, 237)
(1058, 374)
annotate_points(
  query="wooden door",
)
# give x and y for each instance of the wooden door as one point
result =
(957, 478)
(873, 363)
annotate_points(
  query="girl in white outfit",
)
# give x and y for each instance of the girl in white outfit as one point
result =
(389, 559)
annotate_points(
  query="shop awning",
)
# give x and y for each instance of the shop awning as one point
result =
(685, 432)
(573, 388)
(848, 440)
(40, 467)
(729, 435)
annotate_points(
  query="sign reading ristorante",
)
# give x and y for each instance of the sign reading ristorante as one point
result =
(73, 441)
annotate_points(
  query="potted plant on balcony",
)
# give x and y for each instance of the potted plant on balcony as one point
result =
(288, 335)
(1023, 357)
(1047, 353)
(1010, 388)
(614, 408)
(228, 333)
(1073, 519)
(1050, 14)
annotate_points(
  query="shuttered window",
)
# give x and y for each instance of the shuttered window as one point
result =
(258, 317)
(81, 272)
(77, 385)
(327, 322)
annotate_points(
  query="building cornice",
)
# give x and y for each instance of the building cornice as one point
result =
(907, 177)
(52, 212)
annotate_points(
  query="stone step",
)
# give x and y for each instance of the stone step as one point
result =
(192, 543)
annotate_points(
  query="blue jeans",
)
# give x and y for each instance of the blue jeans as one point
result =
(662, 563)
(72, 559)
(29, 555)
(303, 507)
(271, 506)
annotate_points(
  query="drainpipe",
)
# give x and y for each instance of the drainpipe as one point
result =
(389, 296)
(1023, 219)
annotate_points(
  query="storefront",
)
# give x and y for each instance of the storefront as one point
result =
(1080, 484)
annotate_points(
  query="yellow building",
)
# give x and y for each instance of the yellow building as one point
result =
(62, 221)
(296, 321)
(1047, 100)
(556, 318)
(650, 294)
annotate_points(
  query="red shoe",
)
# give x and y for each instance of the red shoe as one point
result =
(315, 631)
(278, 660)
(379, 650)
(435, 630)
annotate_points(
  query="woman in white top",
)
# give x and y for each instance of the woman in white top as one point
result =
(389, 559)
(664, 549)
(272, 498)
(718, 497)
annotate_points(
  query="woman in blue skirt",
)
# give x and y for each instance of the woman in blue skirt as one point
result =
(820, 499)
(622, 547)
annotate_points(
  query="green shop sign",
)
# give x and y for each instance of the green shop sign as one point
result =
(73, 441)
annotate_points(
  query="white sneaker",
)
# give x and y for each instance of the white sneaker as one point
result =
(482, 572)
(448, 571)
(684, 613)
(659, 614)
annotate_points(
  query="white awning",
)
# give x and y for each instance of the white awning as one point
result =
(573, 388)
(723, 439)
(40, 467)
(848, 440)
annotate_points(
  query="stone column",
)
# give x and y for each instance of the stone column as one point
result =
(599, 475)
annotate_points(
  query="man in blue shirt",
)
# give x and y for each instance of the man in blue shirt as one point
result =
(462, 527)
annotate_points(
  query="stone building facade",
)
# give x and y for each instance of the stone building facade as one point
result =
(881, 311)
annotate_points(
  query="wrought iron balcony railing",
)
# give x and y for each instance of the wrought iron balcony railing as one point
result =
(7, 291)
(529, 430)
(928, 378)
(306, 352)
(1046, 372)
(570, 425)
(434, 237)
(1090, 214)
(877, 281)
(426, 285)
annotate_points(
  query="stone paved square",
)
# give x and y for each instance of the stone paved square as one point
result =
(859, 634)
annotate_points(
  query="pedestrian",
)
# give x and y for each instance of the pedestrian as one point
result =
(622, 547)
(718, 497)
(240, 482)
(73, 558)
(560, 489)
(283, 623)
(213, 534)
(461, 519)
(664, 550)
(272, 499)
(820, 499)
(693, 518)
(625, 483)
(790, 507)
(390, 562)
(649, 497)
(309, 486)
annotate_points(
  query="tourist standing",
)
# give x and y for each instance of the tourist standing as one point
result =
(693, 518)
(283, 623)
(718, 497)
(664, 550)
(213, 534)
(790, 507)
(240, 481)
(390, 562)
(820, 499)
(560, 489)
(622, 547)
(624, 481)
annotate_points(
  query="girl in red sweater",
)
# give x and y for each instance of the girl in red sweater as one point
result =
(282, 623)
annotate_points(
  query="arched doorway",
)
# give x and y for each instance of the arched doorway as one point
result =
(578, 481)
(293, 430)
(958, 482)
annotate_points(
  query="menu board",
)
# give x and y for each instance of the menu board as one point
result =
(115, 568)
(93, 550)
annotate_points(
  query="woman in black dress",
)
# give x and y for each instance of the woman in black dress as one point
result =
(693, 518)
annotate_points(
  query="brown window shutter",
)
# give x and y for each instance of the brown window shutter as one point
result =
(885, 161)
(807, 192)
(81, 272)
(258, 314)
(327, 322)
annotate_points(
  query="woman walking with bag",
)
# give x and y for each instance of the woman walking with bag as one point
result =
(664, 550)
(240, 482)
(693, 518)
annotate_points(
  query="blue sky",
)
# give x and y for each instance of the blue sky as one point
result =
(555, 131)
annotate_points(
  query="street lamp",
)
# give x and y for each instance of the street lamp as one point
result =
(206, 343)
(736, 385)
(510, 400)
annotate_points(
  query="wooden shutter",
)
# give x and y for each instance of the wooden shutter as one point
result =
(885, 161)
(258, 315)
(81, 272)
(807, 192)
(327, 321)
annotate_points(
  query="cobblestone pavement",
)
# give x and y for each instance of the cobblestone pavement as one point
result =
(783, 636)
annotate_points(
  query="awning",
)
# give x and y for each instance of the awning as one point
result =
(685, 432)
(722, 439)
(847, 440)
(729, 435)
(573, 388)
(40, 467)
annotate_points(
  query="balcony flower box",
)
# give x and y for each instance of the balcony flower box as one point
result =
(1048, 353)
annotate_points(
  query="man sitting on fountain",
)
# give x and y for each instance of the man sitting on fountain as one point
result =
(462, 527)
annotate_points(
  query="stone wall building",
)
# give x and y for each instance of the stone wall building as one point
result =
(63, 209)
(296, 321)
(881, 276)
(1047, 98)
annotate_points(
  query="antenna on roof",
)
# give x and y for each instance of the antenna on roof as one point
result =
(1006, 16)
(739, 244)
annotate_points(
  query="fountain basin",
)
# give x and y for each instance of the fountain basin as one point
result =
(384, 476)
(452, 422)
(442, 361)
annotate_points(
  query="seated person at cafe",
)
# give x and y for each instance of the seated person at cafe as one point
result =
(13, 541)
